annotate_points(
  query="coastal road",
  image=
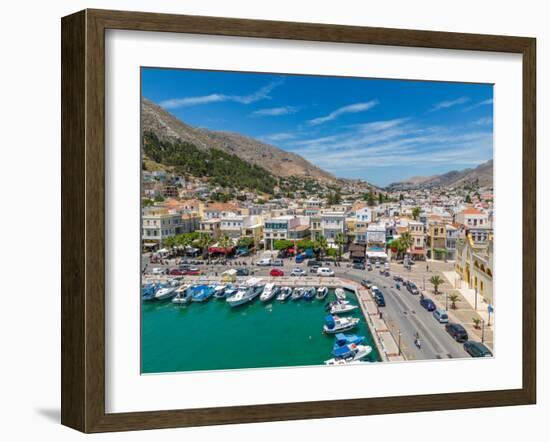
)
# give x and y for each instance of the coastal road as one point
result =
(404, 314)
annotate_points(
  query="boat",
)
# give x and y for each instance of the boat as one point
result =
(341, 307)
(344, 340)
(331, 304)
(350, 354)
(340, 293)
(297, 293)
(219, 291)
(309, 293)
(335, 324)
(202, 293)
(247, 293)
(284, 294)
(148, 292)
(183, 294)
(270, 290)
(322, 293)
(230, 291)
(165, 293)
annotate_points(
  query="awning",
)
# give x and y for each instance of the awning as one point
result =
(381, 255)
(417, 252)
(220, 249)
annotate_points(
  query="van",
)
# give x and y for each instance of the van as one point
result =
(441, 316)
(325, 271)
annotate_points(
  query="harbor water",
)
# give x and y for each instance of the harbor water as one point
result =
(213, 336)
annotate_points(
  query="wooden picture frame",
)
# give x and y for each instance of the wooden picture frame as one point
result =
(83, 219)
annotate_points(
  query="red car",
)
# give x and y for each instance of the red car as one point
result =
(276, 272)
(177, 272)
(192, 271)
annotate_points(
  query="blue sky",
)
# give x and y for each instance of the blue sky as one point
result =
(378, 130)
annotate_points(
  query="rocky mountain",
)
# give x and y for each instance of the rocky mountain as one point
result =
(277, 161)
(482, 174)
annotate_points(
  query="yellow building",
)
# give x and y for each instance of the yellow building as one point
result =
(474, 265)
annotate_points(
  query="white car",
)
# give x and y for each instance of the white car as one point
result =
(157, 271)
(325, 271)
(264, 262)
(298, 272)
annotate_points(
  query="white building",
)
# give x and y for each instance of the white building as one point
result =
(278, 228)
(332, 223)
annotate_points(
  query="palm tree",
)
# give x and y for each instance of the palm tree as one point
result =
(205, 241)
(321, 244)
(169, 242)
(436, 281)
(453, 299)
(341, 240)
(407, 240)
(416, 212)
(225, 242)
(476, 322)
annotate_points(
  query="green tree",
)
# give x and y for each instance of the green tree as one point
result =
(341, 241)
(159, 199)
(146, 202)
(369, 198)
(436, 282)
(477, 322)
(282, 244)
(453, 299)
(321, 245)
(407, 240)
(245, 242)
(204, 241)
(401, 197)
(225, 242)
(468, 199)
(416, 212)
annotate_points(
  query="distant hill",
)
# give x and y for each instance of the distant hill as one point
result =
(482, 174)
(167, 128)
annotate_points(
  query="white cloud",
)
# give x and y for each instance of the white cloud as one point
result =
(352, 108)
(281, 136)
(448, 104)
(260, 94)
(484, 121)
(275, 111)
(481, 103)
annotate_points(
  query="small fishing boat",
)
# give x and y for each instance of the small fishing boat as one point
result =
(297, 293)
(341, 307)
(331, 304)
(219, 291)
(340, 293)
(270, 290)
(345, 340)
(245, 294)
(284, 294)
(230, 291)
(335, 324)
(148, 292)
(202, 293)
(322, 293)
(350, 354)
(309, 293)
(183, 295)
(165, 293)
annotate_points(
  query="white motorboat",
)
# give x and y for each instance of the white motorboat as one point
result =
(183, 295)
(284, 294)
(165, 293)
(340, 293)
(341, 307)
(245, 294)
(322, 293)
(297, 293)
(219, 291)
(335, 324)
(270, 290)
(353, 355)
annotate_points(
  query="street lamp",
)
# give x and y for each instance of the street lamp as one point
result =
(475, 308)
(399, 341)
(482, 331)
(446, 302)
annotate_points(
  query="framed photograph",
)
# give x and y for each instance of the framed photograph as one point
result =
(267, 221)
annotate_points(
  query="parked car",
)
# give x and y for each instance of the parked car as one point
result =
(369, 268)
(412, 288)
(379, 299)
(193, 271)
(242, 271)
(386, 266)
(277, 262)
(457, 332)
(377, 264)
(477, 350)
(276, 272)
(300, 258)
(298, 272)
(397, 278)
(264, 262)
(358, 266)
(428, 304)
(177, 272)
(325, 271)
(158, 271)
(366, 283)
(441, 316)
(313, 269)
(313, 263)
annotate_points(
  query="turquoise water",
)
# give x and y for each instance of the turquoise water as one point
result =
(214, 336)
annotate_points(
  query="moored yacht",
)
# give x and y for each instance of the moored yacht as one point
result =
(270, 290)
(341, 307)
(245, 294)
(350, 354)
(219, 291)
(309, 293)
(202, 293)
(335, 324)
(322, 293)
(297, 293)
(284, 294)
(340, 293)
(165, 293)
(183, 294)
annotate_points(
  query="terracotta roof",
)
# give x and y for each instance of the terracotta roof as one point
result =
(221, 206)
(471, 211)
